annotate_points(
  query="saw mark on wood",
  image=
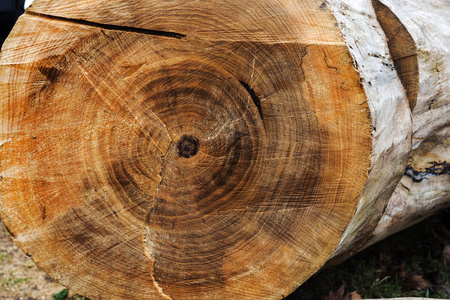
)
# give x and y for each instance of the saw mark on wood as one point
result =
(115, 100)
(168, 34)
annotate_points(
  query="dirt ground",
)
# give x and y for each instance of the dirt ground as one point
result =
(20, 279)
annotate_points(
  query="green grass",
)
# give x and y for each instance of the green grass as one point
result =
(64, 295)
(61, 295)
(407, 264)
(9, 282)
(4, 257)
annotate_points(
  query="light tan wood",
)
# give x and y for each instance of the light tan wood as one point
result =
(217, 149)
(269, 21)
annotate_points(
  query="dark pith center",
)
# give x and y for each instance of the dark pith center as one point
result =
(188, 146)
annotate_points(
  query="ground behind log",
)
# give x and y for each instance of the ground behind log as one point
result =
(411, 263)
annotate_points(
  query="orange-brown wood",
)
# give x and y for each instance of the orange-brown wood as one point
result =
(180, 149)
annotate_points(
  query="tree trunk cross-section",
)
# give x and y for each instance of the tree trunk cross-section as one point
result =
(202, 149)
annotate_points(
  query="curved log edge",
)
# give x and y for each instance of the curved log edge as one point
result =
(425, 185)
(391, 118)
(147, 158)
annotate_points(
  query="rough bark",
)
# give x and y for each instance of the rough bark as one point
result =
(425, 186)
(390, 114)
(216, 150)
(419, 45)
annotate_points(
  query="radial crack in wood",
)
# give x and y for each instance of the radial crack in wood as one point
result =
(169, 34)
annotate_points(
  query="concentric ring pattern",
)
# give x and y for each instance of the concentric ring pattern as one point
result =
(138, 166)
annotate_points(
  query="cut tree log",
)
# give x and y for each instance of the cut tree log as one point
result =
(219, 149)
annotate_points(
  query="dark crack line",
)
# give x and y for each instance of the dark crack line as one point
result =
(254, 97)
(301, 61)
(404, 57)
(168, 34)
(161, 172)
(147, 219)
(326, 63)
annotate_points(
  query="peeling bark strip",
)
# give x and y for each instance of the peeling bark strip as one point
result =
(218, 149)
(402, 49)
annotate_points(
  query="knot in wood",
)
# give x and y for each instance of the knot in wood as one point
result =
(187, 146)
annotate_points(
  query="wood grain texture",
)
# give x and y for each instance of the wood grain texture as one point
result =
(269, 21)
(180, 149)
(217, 150)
